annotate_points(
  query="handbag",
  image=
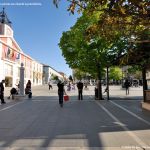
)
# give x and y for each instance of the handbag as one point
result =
(66, 98)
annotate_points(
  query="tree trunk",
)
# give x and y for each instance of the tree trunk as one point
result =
(107, 84)
(99, 82)
(144, 83)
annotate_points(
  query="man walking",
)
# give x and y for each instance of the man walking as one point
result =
(80, 89)
(61, 92)
(127, 85)
(2, 92)
(49, 85)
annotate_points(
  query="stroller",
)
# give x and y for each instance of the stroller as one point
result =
(13, 92)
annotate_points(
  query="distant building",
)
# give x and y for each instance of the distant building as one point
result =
(37, 72)
(49, 72)
(65, 77)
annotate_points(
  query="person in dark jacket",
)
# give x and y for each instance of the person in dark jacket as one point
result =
(80, 89)
(2, 92)
(127, 85)
(61, 92)
(49, 85)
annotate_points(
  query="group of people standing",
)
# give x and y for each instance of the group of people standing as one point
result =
(70, 86)
(62, 92)
(13, 91)
(80, 85)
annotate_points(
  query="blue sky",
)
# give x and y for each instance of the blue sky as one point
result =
(38, 29)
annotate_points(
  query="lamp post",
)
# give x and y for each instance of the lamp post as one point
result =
(21, 86)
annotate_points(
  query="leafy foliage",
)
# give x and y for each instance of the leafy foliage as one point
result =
(81, 53)
(115, 20)
(103, 36)
(54, 77)
(135, 71)
(115, 73)
(79, 74)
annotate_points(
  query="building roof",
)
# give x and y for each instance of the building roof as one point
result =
(4, 19)
(44, 65)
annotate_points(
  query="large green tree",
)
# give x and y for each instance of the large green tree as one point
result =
(91, 53)
(87, 55)
(128, 18)
(119, 30)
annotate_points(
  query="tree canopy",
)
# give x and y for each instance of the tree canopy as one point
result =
(115, 73)
(124, 18)
(81, 53)
(118, 13)
(109, 32)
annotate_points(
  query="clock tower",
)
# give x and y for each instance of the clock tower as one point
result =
(5, 25)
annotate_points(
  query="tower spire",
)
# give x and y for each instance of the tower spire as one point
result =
(4, 19)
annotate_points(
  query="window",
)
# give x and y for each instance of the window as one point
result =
(8, 70)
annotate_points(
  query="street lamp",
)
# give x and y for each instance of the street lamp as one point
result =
(21, 86)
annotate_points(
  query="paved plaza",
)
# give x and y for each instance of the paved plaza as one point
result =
(41, 124)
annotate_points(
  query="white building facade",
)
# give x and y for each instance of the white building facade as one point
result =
(37, 72)
(11, 57)
(48, 72)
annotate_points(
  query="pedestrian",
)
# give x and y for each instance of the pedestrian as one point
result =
(73, 86)
(69, 87)
(61, 92)
(28, 89)
(2, 92)
(85, 85)
(49, 85)
(80, 89)
(13, 92)
(18, 87)
(127, 85)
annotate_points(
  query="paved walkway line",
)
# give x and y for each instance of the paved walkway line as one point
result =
(12, 106)
(131, 113)
(136, 138)
(73, 148)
